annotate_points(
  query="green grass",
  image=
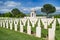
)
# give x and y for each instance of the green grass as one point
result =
(6, 34)
(57, 35)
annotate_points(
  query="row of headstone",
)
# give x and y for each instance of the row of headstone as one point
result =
(21, 27)
(46, 22)
(10, 22)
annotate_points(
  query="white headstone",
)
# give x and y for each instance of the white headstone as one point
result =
(24, 21)
(38, 31)
(54, 25)
(3, 23)
(28, 28)
(6, 21)
(51, 34)
(0, 23)
(51, 31)
(11, 22)
(21, 26)
(21, 22)
(15, 24)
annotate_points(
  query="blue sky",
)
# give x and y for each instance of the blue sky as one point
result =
(26, 5)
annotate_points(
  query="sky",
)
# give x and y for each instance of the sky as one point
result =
(26, 5)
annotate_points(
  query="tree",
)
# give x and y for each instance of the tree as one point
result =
(17, 13)
(48, 9)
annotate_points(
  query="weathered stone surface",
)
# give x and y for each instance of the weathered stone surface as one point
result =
(0, 23)
(21, 28)
(3, 23)
(11, 24)
(7, 25)
(51, 31)
(51, 34)
(28, 28)
(38, 32)
(15, 24)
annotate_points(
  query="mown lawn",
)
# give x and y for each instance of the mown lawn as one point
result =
(57, 35)
(6, 34)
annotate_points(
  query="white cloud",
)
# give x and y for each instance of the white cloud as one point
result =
(25, 9)
(57, 8)
(36, 8)
(5, 10)
(8, 5)
(12, 4)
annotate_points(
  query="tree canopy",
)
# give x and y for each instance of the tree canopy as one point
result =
(17, 13)
(48, 8)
